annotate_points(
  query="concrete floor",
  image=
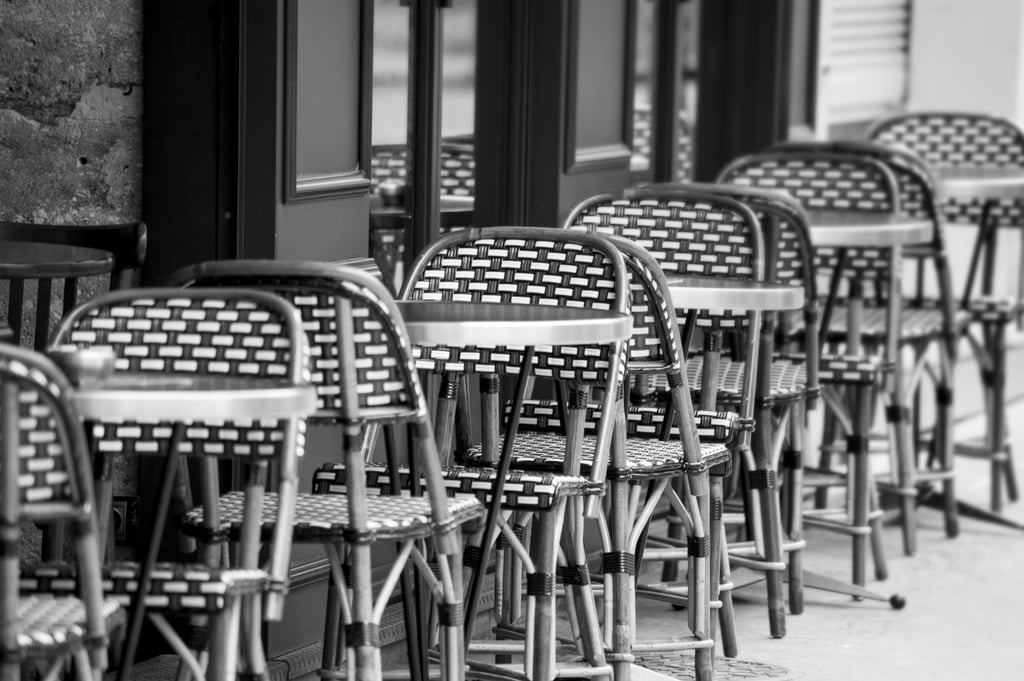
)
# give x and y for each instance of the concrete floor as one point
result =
(964, 616)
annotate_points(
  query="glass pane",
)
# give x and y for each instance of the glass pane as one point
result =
(389, 151)
(458, 70)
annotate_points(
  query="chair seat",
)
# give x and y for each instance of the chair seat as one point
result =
(47, 622)
(916, 323)
(176, 587)
(994, 310)
(320, 517)
(850, 369)
(523, 490)
(789, 378)
(645, 457)
(643, 419)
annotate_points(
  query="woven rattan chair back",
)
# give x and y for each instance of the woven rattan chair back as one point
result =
(959, 139)
(930, 277)
(390, 162)
(362, 364)
(525, 266)
(198, 332)
(385, 385)
(825, 181)
(46, 476)
(687, 232)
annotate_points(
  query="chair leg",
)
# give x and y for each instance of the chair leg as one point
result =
(720, 582)
(762, 481)
(540, 592)
(579, 592)
(224, 632)
(792, 466)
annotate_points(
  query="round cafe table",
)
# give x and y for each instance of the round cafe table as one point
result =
(472, 323)
(987, 183)
(733, 294)
(180, 399)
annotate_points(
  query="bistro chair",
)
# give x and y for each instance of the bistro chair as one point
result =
(46, 474)
(858, 185)
(696, 233)
(663, 444)
(798, 340)
(175, 334)
(550, 267)
(32, 306)
(929, 326)
(974, 140)
(363, 372)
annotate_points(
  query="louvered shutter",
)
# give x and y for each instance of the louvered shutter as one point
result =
(863, 58)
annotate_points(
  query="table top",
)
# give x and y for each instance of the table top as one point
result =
(37, 260)
(866, 228)
(456, 211)
(462, 324)
(733, 294)
(979, 183)
(173, 397)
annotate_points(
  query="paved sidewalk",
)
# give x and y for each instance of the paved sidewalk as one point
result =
(964, 616)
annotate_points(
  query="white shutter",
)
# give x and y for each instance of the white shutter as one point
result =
(863, 57)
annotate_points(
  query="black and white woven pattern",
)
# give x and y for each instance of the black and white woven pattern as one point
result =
(319, 518)
(822, 181)
(850, 369)
(45, 623)
(381, 381)
(916, 323)
(458, 166)
(216, 334)
(523, 490)
(176, 587)
(45, 465)
(788, 378)
(999, 310)
(645, 457)
(642, 142)
(686, 235)
(959, 139)
(526, 271)
(642, 420)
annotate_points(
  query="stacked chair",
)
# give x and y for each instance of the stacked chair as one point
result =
(364, 376)
(972, 140)
(929, 324)
(845, 182)
(664, 457)
(532, 266)
(46, 475)
(690, 230)
(169, 333)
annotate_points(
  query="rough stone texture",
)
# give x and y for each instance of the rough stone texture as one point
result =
(71, 110)
(71, 121)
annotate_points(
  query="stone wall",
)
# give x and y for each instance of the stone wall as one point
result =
(71, 119)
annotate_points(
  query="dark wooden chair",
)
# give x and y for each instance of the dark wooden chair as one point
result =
(125, 242)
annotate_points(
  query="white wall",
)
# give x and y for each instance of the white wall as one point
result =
(968, 55)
